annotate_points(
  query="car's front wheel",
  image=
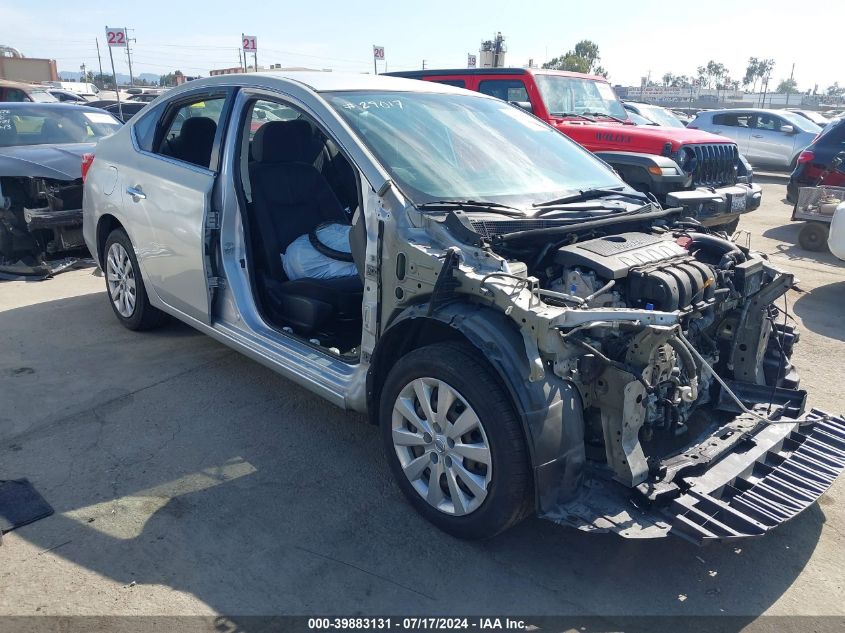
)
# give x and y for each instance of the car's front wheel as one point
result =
(454, 441)
(127, 294)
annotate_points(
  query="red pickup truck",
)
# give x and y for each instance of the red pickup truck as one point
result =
(681, 167)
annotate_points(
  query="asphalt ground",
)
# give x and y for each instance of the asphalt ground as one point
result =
(188, 479)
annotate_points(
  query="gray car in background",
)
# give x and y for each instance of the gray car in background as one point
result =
(771, 138)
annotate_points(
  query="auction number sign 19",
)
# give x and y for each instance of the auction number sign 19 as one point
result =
(115, 36)
(250, 43)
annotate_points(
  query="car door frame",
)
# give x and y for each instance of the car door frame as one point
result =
(209, 222)
(237, 318)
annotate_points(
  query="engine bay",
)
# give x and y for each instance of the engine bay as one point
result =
(651, 391)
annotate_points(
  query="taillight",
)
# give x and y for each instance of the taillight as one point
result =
(805, 157)
(87, 161)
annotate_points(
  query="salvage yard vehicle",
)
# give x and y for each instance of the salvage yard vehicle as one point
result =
(772, 138)
(702, 172)
(529, 333)
(15, 91)
(813, 164)
(41, 145)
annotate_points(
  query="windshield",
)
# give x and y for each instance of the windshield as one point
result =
(800, 123)
(39, 125)
(465, 147)
(815, 117)
(661, 116)
(563, 94)
(42, 96)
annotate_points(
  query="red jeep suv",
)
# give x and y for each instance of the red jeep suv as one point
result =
(690, 168)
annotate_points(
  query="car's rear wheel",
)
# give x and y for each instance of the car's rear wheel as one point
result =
(125, 287)
(454, 442)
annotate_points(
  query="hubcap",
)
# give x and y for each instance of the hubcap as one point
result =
(120, 278)
(441, 446)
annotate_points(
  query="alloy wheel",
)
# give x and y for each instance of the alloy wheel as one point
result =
(441, 445)
(120, 277)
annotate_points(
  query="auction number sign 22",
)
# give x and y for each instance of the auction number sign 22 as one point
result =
(115, 36)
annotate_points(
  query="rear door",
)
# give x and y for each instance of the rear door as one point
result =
(769, 145)
(168, 186)
(736, 126)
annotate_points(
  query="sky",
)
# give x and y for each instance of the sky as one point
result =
(635, 37)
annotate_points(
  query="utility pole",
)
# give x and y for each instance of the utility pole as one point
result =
(789, 86)
(82, 68)
(99, 59)
(241, 61)
(423, 65)
(129, 59)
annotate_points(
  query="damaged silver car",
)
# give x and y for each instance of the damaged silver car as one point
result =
(530, 334)
(41, 146)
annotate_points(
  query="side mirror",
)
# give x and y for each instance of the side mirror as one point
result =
(837, 161)
(787, 129)
(525, 105)
(261, 114)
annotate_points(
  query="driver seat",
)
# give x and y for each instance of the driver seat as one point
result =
(291, 198)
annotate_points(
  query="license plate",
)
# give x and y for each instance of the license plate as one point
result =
(738, 203)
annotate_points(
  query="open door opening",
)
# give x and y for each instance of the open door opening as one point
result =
(304, 227)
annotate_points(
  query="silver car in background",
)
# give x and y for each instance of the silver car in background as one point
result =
(772, 138)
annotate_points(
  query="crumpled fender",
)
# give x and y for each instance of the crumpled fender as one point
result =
(550, 409)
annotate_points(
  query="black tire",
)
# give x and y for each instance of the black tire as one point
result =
(510, 491)
(813, 236)
(144, 316)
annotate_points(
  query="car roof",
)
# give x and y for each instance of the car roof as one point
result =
(5, 83)
(457, 72)
(319, 82)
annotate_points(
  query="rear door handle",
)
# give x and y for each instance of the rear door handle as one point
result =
(136, 193)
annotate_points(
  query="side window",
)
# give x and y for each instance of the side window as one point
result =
(14, 94)
(190, 134)
(768, 122)
(731, 119)
(504, 89)
(145, 127)
(458, 83)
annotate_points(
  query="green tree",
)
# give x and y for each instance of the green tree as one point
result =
(584, 58)
(788, 86)
(168, 80)
(103, 82)
(834, 90)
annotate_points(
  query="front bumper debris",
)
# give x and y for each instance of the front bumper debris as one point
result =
(741, 481)
(714, 206)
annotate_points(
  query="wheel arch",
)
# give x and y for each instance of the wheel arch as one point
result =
(105, 225)
(549, 410)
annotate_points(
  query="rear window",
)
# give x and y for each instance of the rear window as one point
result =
(833, 134)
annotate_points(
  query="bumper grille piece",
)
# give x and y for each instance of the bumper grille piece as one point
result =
(715, 164)
(785, 481)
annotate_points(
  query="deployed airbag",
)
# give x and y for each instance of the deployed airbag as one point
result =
(304, 259)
